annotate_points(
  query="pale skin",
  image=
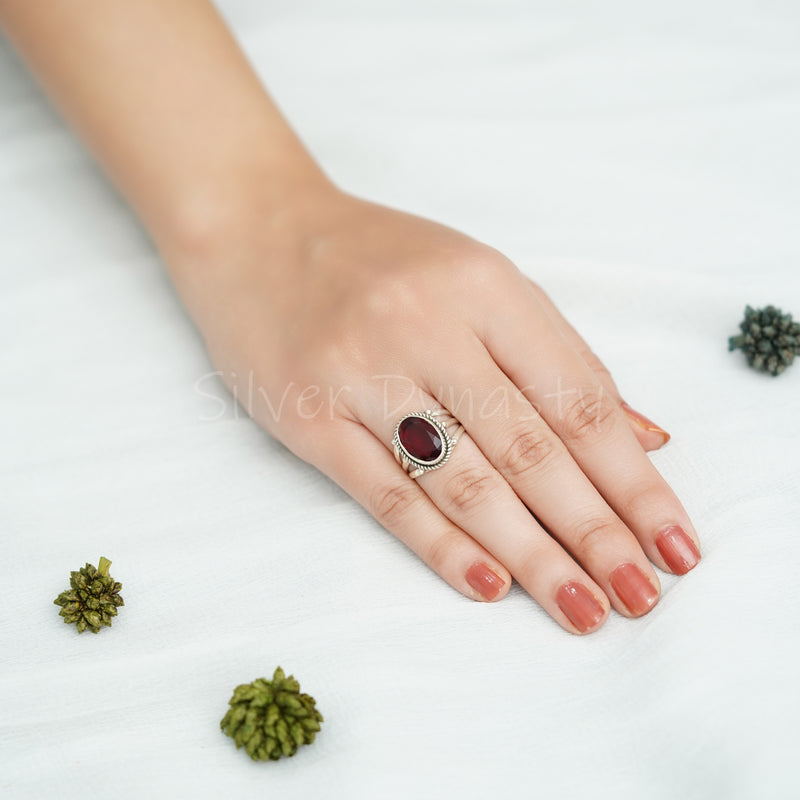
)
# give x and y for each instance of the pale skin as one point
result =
(311, 296)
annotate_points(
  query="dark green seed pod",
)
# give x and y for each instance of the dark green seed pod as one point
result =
(770, 339)
(271, 719)
(92, 599)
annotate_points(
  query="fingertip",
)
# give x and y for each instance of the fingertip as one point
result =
(650, 442)
(584, 612)
(679, 551)
(650, 435)
(576, 631)
(487, 584)
(638, 591)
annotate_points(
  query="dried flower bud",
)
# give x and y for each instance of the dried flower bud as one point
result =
(271, 719)
(92, 599)
(769, 338)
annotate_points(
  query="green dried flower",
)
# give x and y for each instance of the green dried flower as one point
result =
(271, 719)
(92, 599)
(769, 338)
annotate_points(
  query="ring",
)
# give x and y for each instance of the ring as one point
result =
(422, 441)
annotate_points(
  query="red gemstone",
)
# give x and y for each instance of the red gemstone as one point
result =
(420, 439)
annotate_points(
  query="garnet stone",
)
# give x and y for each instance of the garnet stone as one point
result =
(420, 439)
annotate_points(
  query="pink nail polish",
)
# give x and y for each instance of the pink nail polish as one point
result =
(677, 549)
(634, 589)
(484, 581)
(644, 423)
(579, 605)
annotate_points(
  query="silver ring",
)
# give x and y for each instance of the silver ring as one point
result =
(424, 440)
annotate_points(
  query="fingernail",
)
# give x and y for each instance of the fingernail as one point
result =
(579, 605)
(486, 582)
(634, 589)
(644, 423)
(677, 549)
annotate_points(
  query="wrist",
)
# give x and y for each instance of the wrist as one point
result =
(229, 197)
(221, 233)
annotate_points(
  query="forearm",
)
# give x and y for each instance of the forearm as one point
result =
(165, 99)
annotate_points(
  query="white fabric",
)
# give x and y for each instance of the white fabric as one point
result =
(641, 161)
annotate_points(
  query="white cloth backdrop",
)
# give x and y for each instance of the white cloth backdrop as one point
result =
(642, 162)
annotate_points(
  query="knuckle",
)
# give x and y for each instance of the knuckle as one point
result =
(642, 500)
(528, 451)
(591, 413)
(389, 504)
(469, 489)
(440, 553)
(592, 534)
(389, 295)
(481, 267)
(595, 364)
(602, 373)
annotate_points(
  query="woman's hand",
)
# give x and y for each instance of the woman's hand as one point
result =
(333, 318)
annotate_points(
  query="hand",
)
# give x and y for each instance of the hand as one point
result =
(334, 320)
(331, 308)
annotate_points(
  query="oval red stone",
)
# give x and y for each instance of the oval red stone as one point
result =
(420, 439)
